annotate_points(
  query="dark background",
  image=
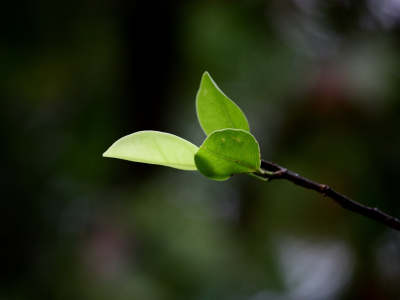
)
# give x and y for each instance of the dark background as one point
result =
(319, 83)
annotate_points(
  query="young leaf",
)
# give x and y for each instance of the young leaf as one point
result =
(227, 152)
(155, 147)
(215, 110)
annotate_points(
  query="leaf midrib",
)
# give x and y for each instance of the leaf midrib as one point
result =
(231, 160)
(223, 107)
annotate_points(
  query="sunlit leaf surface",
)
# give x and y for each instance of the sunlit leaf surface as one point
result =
(155, 147)
(228, 152)
(215, 110)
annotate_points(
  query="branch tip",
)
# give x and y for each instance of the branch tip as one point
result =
(274, 171)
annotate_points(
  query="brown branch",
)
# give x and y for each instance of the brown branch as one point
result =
(275, 171)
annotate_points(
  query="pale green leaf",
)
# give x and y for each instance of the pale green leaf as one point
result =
(155, 147)
(227, 152)
(215, 110)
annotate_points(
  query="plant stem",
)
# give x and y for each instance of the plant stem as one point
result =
(274, 171)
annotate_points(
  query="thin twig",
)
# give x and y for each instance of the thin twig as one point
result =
(274, 171)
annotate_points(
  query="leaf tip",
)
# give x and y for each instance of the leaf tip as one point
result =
(206, 75)
(106, 154)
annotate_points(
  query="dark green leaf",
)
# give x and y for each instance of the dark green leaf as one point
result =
(228, 152)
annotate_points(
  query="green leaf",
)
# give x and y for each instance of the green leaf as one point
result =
(155, 147)
(215, 110)
(228, 152)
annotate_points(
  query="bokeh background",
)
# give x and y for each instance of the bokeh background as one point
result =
(319, 83)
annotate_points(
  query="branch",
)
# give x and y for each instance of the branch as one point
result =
(274, 171)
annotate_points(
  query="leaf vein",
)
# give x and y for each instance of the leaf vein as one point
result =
(223, 107)
(161, 152)
(215, 116)
(253, 169)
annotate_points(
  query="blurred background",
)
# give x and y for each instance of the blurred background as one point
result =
(319, 83)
